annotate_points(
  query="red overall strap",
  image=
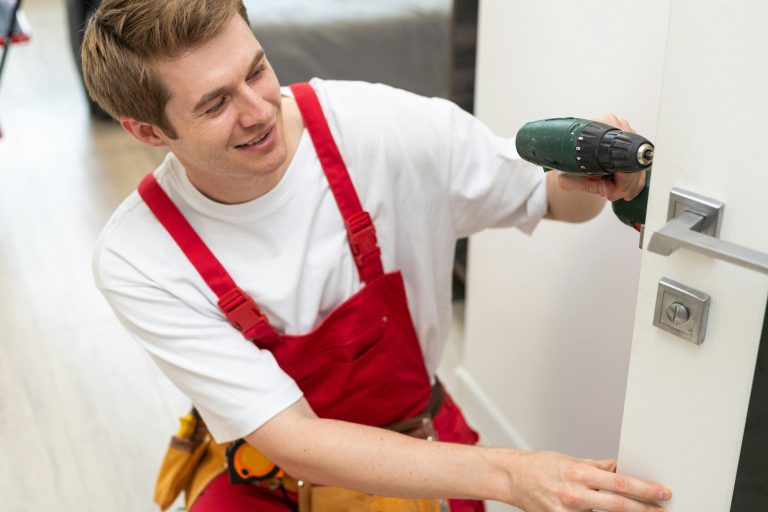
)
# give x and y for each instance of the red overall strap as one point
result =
(360, 230)
(237, 306)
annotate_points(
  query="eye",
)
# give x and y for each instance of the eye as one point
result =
(217, 107)
(257, 72)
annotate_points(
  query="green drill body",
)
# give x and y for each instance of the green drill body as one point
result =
(589, 148)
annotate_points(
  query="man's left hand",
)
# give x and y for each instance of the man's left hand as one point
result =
(621, 185)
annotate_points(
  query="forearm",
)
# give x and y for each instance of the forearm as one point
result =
(382, 462)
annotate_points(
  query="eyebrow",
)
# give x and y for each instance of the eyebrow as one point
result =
(225, 89)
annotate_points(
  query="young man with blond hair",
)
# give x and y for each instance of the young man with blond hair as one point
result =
(318, 220)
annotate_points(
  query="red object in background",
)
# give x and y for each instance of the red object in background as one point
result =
(13, 27)
(21, 27)
(17, 38)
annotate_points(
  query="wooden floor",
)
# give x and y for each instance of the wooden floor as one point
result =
(84, 414)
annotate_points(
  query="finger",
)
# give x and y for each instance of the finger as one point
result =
(624, 125)
(629, 486)
(627, 185)
(610, 118)
(618, 503)
(612, 191)
(615, 121)
(617, 190)
(590, 184)
(605, 465)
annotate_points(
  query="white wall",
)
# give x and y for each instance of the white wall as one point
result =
(549, 318)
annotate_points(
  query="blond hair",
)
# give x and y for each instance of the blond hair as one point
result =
(123, 40)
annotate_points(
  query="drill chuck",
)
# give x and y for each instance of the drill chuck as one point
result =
(581, 146)
(645, 154)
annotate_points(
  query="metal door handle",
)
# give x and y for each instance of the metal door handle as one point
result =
(693, 223)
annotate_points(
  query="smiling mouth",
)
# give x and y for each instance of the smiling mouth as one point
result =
(256, 141)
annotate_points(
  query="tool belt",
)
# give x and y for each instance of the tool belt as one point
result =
(193, 459)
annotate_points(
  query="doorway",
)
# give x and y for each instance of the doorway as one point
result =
(751, 489)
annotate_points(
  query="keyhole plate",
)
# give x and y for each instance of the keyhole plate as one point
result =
(697, 303)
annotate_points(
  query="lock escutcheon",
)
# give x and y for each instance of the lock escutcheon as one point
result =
(681, 310)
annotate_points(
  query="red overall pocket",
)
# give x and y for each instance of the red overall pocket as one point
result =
(344, 352)
(348, 379)
(363, 363)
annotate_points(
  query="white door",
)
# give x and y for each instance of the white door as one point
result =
(686, 404)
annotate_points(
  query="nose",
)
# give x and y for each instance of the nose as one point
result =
(253, 109)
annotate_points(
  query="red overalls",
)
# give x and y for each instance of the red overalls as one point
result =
(362, 364)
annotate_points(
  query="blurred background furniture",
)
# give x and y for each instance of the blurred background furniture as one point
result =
(463, 53)
(404, 43)
(78, 14)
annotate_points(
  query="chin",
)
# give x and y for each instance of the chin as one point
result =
(267, 170)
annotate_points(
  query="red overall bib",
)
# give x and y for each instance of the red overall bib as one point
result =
(362, 364)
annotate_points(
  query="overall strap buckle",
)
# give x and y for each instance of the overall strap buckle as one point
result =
(243, 313)
(361, 234)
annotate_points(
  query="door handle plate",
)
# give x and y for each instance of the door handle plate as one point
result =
(694, 223)
(681, 310)
(681, 201)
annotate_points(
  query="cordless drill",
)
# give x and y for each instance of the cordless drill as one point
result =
(589, 148)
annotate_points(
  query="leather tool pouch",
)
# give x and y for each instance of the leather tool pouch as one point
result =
(192, 461)
(180, 462)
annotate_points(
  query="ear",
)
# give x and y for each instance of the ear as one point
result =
(144, 132)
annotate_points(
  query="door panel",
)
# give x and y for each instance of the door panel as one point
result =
(686, 404)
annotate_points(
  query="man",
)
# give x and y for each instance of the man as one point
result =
(346, 254)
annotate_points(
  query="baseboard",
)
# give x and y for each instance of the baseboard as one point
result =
(483, 414)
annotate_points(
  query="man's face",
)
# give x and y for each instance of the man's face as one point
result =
(225, 106)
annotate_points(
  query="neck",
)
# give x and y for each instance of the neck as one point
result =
(227, 189)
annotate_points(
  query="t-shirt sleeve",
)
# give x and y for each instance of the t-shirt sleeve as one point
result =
(448, 157)
(489, 185)
(235, 386)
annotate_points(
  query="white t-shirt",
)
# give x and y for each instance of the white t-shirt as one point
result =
(427, 172)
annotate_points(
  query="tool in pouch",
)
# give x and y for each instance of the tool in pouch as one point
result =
(589, 148)
(245, 464)
(193, 459)
(181, 460)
